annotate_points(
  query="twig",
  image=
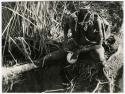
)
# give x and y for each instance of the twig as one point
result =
(97, 86)
(47, 91)
(13, 57)
(111, 85)
(43, 61)
(111, 81)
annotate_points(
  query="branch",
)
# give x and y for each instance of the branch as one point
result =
(97, 86)
(15, 70)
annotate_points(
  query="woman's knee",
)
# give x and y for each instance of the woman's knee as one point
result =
(98, 54)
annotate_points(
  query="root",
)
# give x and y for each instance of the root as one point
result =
(110, 69)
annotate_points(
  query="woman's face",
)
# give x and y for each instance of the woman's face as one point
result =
(81, 15)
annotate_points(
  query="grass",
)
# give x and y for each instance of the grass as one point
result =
(28, 28)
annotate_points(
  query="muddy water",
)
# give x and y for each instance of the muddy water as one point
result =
(39, 80)
(52, 77)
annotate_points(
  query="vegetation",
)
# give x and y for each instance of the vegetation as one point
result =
(31, 30)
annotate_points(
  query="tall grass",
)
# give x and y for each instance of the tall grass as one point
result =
(41, 21)
(31, 26)
(31, 21)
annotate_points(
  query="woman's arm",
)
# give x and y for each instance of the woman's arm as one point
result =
(99, 39)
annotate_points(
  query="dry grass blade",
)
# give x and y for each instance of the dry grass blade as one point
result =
(7, 25)
(19, 15)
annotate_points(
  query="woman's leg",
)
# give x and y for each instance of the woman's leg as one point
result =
(98, 54)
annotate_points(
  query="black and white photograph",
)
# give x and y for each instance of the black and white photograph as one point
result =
(62, 46)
